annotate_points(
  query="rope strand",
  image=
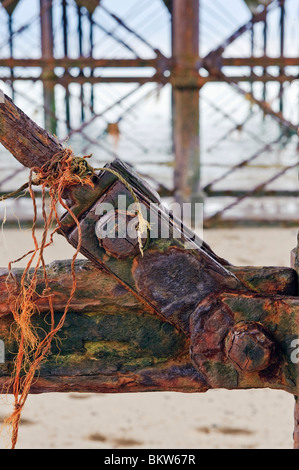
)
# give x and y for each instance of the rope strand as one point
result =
(63, 171)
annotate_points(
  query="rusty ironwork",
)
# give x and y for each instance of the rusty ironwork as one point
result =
(47, 46)
(183, 70)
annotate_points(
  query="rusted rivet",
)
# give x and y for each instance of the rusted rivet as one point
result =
(116, 232)
(249, 347)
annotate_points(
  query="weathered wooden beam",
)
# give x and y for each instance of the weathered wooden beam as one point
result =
(26, 141)
(105, 292)
(111, 341)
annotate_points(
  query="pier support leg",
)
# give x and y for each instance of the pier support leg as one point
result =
(185, 99)
(47, 49)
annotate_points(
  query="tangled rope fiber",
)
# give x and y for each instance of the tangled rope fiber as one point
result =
(62, 172)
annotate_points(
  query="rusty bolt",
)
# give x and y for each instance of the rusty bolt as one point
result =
(249, 347)
(116, 232)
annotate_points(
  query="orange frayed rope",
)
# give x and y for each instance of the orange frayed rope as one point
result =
(63, 171)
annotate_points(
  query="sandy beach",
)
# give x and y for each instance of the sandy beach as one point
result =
(217, 419)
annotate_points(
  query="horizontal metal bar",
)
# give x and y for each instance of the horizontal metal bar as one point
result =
(240, 192)
(159, 78)
(66, 79)
(263, 61)
(252, 78)
(82, 62)
(249, 222)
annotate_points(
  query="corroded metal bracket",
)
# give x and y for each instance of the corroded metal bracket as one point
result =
(241, 333)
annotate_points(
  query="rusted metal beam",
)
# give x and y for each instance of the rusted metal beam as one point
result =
(160, 62)
(265, 43)
(263, 61)
(47, 47)
(241, 193)
(80, 44)
(66, 79)
(82, 62)
(246, 78)
(109, 79)
(65, 47)
(185, 99)
(11, 50)
(198, 81)
(282, 46)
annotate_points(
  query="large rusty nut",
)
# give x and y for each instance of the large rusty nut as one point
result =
(117, 234)
(249, 347)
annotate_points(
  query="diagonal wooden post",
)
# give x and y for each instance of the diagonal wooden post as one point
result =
(26, 141)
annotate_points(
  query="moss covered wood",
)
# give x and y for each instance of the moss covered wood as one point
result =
(112, 342)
